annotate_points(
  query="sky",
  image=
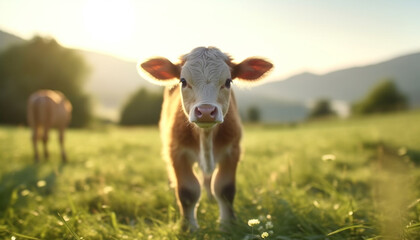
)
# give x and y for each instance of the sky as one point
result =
(296, 35)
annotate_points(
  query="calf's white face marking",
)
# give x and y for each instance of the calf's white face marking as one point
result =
(205, 88)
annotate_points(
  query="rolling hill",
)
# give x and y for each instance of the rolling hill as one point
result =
(112, 80)
(350, 84)
(7, 40)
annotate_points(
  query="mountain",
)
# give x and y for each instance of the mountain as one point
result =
(7, 40)
(350, 84)
(113, 80)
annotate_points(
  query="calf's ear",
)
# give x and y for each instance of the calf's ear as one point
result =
(251, 69)
(159, 71)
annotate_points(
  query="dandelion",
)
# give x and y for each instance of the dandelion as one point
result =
(269, 225)
(264, 235)
(41, 183)
(253, 222)
(13, 238)
(328, 157)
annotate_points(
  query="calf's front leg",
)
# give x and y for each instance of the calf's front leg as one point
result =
(187, 193)
(223, 186)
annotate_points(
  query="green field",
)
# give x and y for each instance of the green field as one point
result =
(333, 179)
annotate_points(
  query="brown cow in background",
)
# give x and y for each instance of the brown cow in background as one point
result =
(48, 109)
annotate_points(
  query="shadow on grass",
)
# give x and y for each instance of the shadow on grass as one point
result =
(19, 183)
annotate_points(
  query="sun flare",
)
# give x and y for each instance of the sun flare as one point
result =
(109, 22)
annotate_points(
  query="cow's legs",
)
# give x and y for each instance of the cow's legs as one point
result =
(61, 139)
(34, 143)
(45, 142)
(187, 193)
(223, 186)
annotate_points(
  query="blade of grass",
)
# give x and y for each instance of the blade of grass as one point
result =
(75, 236)
(3, 228)
(72, 206)
(347, 228)
(375, 238)
(114, 221)
(23, 236)
(413, 226)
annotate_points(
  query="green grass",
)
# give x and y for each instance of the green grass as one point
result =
(115, 185)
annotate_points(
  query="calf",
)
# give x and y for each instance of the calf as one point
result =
(48, 109)
(200, 123)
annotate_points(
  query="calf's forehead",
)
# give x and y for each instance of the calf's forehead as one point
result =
(205, 71)
(205, 64)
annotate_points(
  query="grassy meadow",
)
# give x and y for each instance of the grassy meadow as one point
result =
(332, 179)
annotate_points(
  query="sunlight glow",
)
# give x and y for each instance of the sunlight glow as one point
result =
(296, 36)
(109, 23)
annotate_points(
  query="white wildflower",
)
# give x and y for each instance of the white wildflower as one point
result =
(41, 183)
(253, 222)
(25, 192)
(328, 157)
(264, 235)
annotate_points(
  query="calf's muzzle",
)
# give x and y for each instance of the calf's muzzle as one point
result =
(206, 115)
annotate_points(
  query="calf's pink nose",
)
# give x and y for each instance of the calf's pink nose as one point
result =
(205, 113)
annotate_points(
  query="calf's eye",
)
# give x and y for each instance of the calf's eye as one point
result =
(183, 82)
(228, 83)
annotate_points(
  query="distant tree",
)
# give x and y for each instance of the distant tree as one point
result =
(253, 114)
(142, 108)
(41, 63)
(322, 108)
(384, 97)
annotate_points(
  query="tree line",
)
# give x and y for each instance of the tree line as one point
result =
(383, 97)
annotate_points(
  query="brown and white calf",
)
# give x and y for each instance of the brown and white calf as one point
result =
(48, 109)
(200, 123)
